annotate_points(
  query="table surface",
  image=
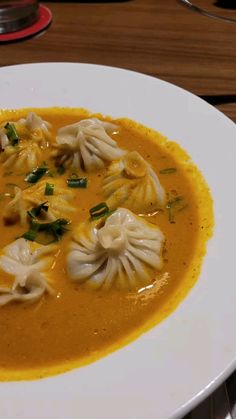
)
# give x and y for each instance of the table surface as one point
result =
(156, 37)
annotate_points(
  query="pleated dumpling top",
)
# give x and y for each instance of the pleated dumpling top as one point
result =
(59, 203)
(86, 145)
(25, 143)
(123, 252)
(131, 182)
(29, 264)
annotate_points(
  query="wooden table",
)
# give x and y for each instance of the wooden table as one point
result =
(157, 37)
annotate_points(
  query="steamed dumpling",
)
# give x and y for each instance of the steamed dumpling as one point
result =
(34, 122)
(34, 138)
(3, 139)
(34, 287)
(23, 200)
(21, 257)
(27, 155)
(27, 262)
(122, 253)
(86, 145)
(131, 182)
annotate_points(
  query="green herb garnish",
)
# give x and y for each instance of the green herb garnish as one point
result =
(175, 205)
(49, 189)
(36, 211)
(54, 230)
(99, 211)
(168, 170)
(36, 174)
(11, 133)
(80, 182)
(30, 235)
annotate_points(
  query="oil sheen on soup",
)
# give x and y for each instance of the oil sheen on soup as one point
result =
(103, 224)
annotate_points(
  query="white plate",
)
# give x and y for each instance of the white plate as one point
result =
(168, 370)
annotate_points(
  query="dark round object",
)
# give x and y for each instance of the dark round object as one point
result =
(17, 14)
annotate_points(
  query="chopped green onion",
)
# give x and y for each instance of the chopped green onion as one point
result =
(49, 189)
(61, 170)
(30, 235)
(36, 174)
(175, 205)
(99, 211)
(80, 182)
(36, 211)
(55, 229)
(168, 170)
(11, 133)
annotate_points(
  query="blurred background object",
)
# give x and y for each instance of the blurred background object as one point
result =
(17, 14)
(217, 9)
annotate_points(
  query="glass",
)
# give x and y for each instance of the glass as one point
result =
(224, 10)
(17, 14)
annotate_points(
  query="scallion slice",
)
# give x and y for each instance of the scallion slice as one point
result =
(36, 174)
(11, 133)
(168, 170)
(175, 205)
(99, 211)
(54, 230)
(80, 182)
(36, 211)
(49, 189)
(30, 235)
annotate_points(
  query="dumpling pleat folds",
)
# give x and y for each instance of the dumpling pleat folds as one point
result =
(28, 263)
(124, 252)
(131, 182)
(86, 145)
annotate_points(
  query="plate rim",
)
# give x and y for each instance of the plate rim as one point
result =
(190, 404)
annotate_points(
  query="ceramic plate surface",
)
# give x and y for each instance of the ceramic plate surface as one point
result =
(171, 368)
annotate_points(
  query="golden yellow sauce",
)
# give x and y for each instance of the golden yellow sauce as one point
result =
(79, 325)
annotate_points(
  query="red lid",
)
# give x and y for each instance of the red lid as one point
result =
(44, 20)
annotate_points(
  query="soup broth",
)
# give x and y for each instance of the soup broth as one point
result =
(76, 324)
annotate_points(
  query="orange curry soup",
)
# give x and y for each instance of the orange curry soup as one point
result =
(78, 325)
